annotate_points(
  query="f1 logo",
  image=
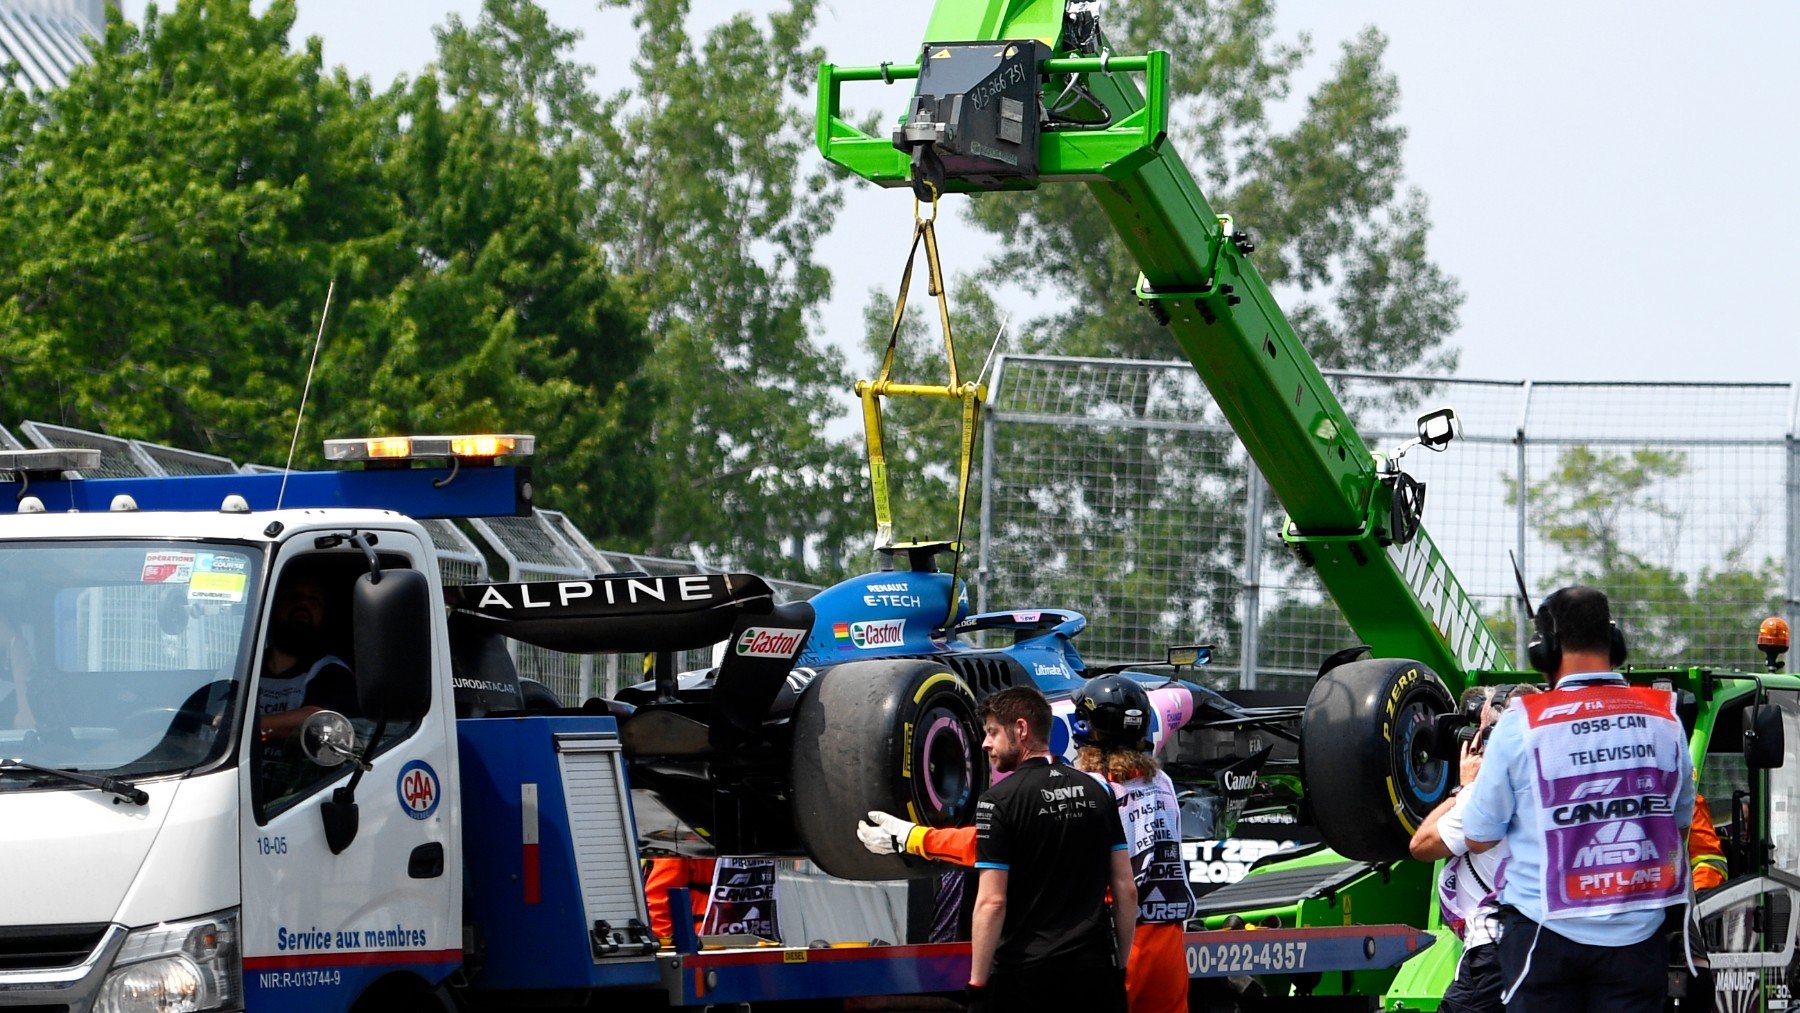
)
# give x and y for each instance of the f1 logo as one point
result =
(1597, 786)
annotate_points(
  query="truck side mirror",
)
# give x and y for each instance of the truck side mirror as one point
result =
(1438, 428)
(393, 644)
(328, 738)
(1763, 744)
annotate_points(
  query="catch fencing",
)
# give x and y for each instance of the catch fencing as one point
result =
(1116, 488)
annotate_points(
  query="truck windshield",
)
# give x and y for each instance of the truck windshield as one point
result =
(121, 658)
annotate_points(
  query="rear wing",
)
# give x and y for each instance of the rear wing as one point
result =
(614, 615)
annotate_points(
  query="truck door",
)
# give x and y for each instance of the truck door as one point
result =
(319, 928)
(1749, 923)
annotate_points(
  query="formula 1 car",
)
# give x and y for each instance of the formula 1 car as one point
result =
(864, 697)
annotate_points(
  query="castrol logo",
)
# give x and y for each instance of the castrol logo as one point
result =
(761, 642)
(419, 789)
(882, 633)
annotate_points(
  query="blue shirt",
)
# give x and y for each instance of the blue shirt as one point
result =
(1500, 807)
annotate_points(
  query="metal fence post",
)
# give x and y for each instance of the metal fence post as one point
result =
(1253, 550)
(1521, 636)
(987, 484)
(1792, 604)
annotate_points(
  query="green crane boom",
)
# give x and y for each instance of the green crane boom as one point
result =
(975, 125)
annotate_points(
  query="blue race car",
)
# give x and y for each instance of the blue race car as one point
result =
(818, 711)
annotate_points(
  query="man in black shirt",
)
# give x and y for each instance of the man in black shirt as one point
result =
(300, 674)
(1048, 843)
(300, 677)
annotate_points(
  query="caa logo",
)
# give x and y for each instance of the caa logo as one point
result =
(418, 788)
(880, 633)
(758, 642)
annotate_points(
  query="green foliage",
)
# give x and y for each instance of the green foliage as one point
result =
(176, 213)
(1296, 636)
(709, 206)
(1588, 509)
(1337, 235)
(504, 314)
(164, 261)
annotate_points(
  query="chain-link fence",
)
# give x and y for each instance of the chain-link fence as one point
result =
(1116, 488)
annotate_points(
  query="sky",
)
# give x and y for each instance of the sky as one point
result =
(1611, 181)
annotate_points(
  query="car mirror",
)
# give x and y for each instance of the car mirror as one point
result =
(1763, 739)
(172, 610)
(1188, 655)
(327, 738)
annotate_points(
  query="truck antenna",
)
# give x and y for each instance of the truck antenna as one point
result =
(288, 468)
(999, 336)
(1524, 595)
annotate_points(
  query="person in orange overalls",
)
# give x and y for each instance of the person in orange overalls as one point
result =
(1112, 728)
(667, 873)
(1707, 858)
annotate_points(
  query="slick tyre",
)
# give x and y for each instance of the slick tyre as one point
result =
(1365, 755)
(898, 735)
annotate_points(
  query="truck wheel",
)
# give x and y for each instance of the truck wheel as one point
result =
(1364, 755)
(898, 735)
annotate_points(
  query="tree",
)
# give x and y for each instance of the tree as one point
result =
(176, 213)
(164, 264)
(504, 313)
(709, 207)
(1592, 508)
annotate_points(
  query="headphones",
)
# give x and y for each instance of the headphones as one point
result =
(1545, 650)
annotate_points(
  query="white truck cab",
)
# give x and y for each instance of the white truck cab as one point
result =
(212, 799)
(190, 867)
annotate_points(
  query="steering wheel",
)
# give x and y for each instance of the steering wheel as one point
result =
(195, 714)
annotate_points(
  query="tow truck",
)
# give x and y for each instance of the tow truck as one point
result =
(458, 838)
(1015, 94)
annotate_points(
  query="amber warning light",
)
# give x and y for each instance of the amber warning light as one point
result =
(409, 448)
(1772, 638)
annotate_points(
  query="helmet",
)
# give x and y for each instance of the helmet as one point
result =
(1112, 710)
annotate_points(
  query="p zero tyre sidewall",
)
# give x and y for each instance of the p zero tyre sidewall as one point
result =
(1362, 757)
(895, 735)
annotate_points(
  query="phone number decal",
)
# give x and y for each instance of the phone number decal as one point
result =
(1245, 958)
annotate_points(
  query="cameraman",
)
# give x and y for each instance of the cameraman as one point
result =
(1466, 884)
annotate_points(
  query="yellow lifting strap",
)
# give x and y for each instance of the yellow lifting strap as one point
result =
(872, 391)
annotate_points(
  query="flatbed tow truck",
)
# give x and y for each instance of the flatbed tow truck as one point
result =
(1015, 94)
(449, 843)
